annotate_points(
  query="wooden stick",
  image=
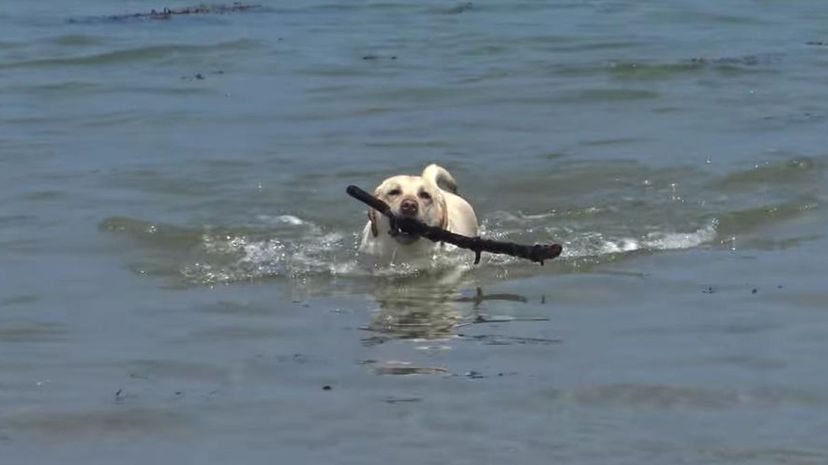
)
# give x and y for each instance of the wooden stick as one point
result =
(536, 253)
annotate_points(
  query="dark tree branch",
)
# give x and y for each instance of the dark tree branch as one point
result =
(536, 253)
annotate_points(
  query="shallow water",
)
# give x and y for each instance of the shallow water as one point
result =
(180, 281)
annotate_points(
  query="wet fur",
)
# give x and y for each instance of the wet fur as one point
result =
(438, 204)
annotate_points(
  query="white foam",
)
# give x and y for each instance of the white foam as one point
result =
(620, 246)
(675, 241)
(281, 219)
(240, 257)
(596, 244)
(290, 219)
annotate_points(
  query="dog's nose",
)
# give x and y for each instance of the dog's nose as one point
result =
(408, 207)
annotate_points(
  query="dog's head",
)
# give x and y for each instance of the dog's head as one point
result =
(413, 197)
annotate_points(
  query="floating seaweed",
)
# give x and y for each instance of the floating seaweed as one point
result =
(169, 13)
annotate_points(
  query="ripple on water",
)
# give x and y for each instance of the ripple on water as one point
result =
(145, 54)
(176, 369)
(25, 331)
(686, 397)
(80, 40)
(645, 70)
(795, 170)
(97, 422)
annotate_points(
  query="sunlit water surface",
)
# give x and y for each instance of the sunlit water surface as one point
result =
(180, 282)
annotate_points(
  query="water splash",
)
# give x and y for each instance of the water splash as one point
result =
(587, 233)
(290, 247)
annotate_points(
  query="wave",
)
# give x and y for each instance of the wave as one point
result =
(596, 244)
(156, 53)
(287, 246)
(655, 215)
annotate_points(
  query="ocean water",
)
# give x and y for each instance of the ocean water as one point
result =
(179, 279)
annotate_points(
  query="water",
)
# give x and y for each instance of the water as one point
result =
(180, 282)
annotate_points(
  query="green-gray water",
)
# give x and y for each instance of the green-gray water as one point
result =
(179, 280)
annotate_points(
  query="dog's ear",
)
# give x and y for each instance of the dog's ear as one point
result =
(372, 217)
(443, 213)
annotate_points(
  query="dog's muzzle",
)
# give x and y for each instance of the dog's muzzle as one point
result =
(405, 238)
(402, 237)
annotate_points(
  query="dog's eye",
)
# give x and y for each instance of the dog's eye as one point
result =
(424, 195)
(394, 192)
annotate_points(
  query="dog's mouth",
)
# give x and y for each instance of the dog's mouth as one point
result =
(405, 238)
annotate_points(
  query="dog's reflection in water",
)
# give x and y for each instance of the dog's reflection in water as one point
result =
(413, 308)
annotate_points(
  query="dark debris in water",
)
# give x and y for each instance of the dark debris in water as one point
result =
(374, 340)
(296, 357)
(747, 60)
(753, 290)
(460, 8)
(169, 13)
(121, 396)
(474, 374)
(200, 76)
(401, 400)
(409, 370)
(378, 57)
(803, 117)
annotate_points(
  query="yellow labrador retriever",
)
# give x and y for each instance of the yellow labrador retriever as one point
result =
(431, 198)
